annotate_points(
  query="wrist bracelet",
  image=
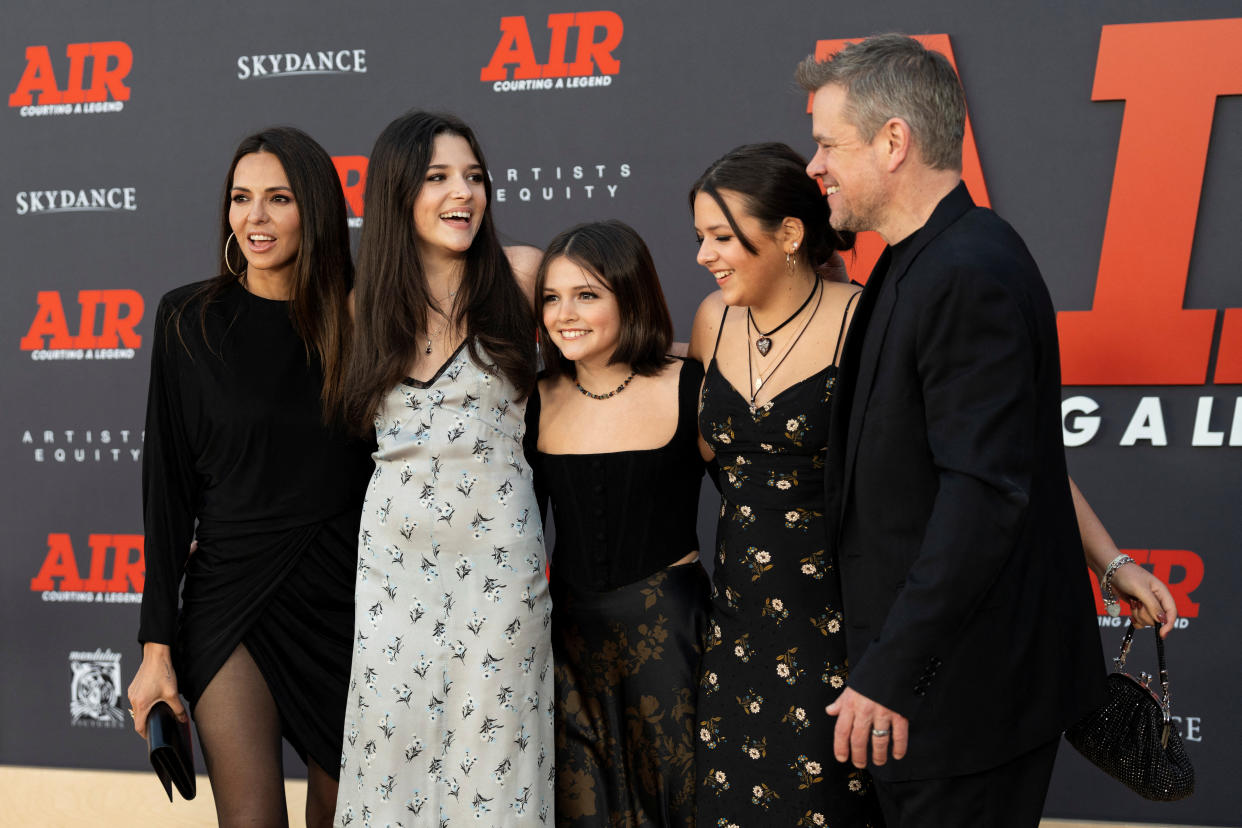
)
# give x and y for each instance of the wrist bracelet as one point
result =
(1106, 584)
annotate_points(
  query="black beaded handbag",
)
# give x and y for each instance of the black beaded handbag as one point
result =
(1131, 738)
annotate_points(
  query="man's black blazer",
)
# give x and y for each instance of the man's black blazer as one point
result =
(966, 606)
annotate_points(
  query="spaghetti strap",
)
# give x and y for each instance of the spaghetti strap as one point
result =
(719, 331)
(836, 356)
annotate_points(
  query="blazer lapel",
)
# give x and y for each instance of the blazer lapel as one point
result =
(866, 341)
(870, 345)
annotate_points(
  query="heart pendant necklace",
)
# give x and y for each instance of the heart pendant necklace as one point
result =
(764, 343)
(759, 378)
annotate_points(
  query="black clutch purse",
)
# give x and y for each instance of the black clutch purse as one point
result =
(1131, 738)
(169, 748)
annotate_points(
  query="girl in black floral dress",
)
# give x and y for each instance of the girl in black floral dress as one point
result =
(775, 652)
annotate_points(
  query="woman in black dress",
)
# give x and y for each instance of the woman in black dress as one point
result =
(612, 439)
(241, 457)
(775, 652)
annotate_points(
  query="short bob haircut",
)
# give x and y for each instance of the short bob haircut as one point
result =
(772, 181)
(613, 253)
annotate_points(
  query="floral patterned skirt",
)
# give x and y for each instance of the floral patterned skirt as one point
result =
(627, 665)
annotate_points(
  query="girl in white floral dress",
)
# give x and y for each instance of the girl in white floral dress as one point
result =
(449, 717)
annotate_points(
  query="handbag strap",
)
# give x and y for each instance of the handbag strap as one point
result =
(1120, 661)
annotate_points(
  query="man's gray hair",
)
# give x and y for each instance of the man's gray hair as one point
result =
(894, 76)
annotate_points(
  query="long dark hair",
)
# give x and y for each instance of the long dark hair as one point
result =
(771, 178)
(392, 298)
(614, 253)
(323, 271)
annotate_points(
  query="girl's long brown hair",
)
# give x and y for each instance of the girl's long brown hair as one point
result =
(392, 298)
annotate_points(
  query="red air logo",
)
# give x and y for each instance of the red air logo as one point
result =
(352, 170)
(115, 569)
(1181, 569)
(93, 81)
(1138, 331)
(596, 35)
(106, 326)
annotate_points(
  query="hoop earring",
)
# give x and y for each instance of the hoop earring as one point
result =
(232, 238)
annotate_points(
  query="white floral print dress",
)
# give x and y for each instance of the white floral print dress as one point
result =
(449, 716)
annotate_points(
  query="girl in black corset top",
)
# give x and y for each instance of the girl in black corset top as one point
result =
(613, 441)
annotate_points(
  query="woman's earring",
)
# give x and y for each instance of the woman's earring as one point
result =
(232, 238)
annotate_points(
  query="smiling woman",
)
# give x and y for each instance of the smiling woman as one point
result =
(450, 720)
(612, 439)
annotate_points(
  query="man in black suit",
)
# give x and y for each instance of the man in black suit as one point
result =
(970, 627)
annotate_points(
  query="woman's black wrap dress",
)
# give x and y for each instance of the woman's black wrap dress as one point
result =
(235, 442)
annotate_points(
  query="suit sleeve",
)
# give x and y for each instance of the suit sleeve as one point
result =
(977, 363)
(169, 486)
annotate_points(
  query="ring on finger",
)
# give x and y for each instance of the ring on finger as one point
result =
(878, 733)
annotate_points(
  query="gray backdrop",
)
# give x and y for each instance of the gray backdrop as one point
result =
(115, 195)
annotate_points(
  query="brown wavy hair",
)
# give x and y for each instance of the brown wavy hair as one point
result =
(392, 298)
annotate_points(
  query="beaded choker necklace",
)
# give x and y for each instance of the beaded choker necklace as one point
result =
(614, 392)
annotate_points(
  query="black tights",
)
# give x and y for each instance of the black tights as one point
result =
(239, 730)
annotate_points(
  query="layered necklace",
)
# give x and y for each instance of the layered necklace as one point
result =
(764, 343)
(759, 378)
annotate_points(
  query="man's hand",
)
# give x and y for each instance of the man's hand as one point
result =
(862, 722)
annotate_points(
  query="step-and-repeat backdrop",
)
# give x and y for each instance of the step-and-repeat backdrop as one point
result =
(1109, 134)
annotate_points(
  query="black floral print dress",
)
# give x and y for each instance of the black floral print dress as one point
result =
(775, 650)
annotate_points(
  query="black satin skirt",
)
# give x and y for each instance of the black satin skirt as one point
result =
(627, 665)
(289, 597)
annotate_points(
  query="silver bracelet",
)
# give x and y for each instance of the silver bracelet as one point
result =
(1106, 584)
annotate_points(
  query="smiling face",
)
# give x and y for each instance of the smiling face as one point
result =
(580, 313)
(849, 168)
(449, 208)
(744, 278)
(264, 215)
